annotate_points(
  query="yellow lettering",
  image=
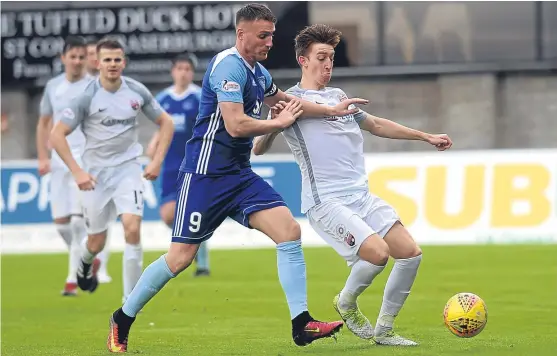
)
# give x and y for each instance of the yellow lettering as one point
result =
(505, 192)
(378, 185)
(472, 199)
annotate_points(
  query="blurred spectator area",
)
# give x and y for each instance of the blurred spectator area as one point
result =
(483, 72)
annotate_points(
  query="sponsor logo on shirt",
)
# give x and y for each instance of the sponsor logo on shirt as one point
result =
(110, 121)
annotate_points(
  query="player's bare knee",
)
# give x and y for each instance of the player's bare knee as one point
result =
(401, 244)
(132, 228)
(132, 234)
(180, 256)
(416, 251)
(167, 218)
(374, 250)
(167, 213)
(293, 231)
(96, 242)
(177, 264)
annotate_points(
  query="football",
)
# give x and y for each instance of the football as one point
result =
(465, 315)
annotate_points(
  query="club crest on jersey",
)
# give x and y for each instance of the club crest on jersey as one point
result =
(134, 104)
(230, 86)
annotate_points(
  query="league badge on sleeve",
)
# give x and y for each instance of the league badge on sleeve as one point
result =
(230, 86)
(68, 113)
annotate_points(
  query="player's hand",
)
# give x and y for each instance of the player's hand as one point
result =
(347, 107)
(44, 166)
(152, 171)
(442, 142)
(289, 113)
(277, 109)
(84, 180)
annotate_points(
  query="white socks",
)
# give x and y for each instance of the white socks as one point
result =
(397, 290)
(103, 257)
(65, 231)
(133, 267)
(361, 276)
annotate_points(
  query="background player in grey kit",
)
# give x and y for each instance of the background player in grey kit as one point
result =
(64, 203)
(92, 70)
(361, 227)
(111, 178)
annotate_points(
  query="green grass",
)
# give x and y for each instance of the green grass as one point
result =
(241, 310)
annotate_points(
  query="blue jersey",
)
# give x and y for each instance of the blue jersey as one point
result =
(229, 78)
(183, 108)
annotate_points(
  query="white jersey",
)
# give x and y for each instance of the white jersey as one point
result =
(109, 121)
(329, 153)
(57, 95)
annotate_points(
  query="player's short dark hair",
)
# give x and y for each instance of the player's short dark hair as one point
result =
(315, 34)
(185, 57)
(255, 12)
(109, 43)
(73, 42)
(92, 42)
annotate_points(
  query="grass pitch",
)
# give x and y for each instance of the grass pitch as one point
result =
(241, 309)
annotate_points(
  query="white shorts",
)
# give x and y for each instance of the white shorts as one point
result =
(345, 222)
(64, 194)
(119, 190)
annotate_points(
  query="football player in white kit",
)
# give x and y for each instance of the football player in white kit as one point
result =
(111, 179)
(92, 69)
(360, 226)
(64, 198)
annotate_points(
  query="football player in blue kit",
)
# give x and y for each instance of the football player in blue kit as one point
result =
(216, 180)
(181, 101)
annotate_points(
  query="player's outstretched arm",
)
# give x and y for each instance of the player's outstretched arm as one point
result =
(238, 124)
(273, 95)
(389, 129)
(343, 108)
(318, 110)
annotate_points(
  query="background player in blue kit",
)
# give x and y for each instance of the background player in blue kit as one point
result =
(181, 101)
(216, 180)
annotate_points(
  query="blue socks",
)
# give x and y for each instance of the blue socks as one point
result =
(292, 275)
(155, 276)
(202, 258)
(291, 270)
